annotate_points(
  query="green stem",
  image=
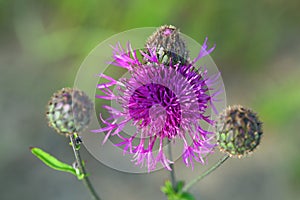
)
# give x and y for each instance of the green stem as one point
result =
(86, 180)
(197, 179)
(172, 172)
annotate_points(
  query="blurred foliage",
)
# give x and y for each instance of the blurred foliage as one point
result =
(279, 106)
(247, 33)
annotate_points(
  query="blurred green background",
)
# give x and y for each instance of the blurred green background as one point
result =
(44, 42)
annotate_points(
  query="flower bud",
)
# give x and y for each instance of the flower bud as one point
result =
(169, 45)
(238, 130)
(69, 111)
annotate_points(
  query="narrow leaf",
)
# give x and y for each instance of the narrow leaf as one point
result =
(54, 163)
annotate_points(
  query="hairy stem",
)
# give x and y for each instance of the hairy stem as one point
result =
(81, 167)
(210, 170)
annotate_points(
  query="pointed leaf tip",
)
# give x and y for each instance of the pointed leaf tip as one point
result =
(54, 163)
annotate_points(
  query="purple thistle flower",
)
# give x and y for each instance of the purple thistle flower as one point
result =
(164, 102)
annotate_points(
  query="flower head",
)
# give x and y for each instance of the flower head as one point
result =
(163, 101)
(69, 111)
(169, 45)
(239, 131)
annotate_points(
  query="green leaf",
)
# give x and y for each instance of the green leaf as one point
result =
(54, 163)
(186, 196)
(167, 188)
(179, 186)
(176, 193)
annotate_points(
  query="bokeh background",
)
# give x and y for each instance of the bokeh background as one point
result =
(44, 42)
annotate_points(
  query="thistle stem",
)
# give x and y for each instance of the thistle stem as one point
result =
(207, 172)
(172, 172)
(81, 167)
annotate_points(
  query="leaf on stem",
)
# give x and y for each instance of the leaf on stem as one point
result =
(54, 163)
(176, 193)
